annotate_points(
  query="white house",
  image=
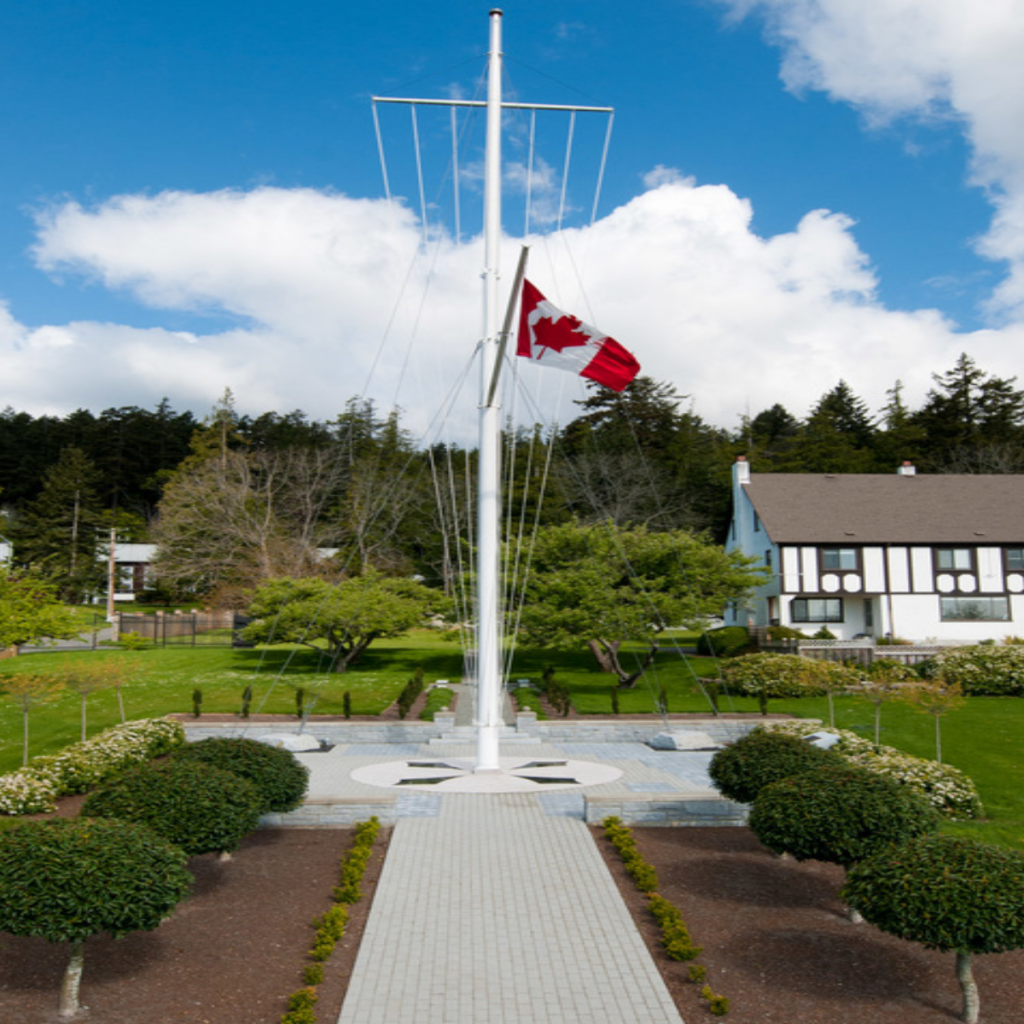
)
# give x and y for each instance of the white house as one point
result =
(5, 550)
(916, 556)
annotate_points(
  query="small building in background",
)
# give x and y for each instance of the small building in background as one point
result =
(906, 555)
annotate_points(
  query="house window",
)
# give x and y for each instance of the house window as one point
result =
(975, 609)
(1014, 558)
(757, 523)
(838, 558)
(768, 558)
(816, 609)
(953, 559)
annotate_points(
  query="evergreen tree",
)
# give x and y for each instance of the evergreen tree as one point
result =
(57, 534)
(973, 421)
(837, 437)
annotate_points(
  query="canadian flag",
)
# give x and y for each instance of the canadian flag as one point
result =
(553, 338)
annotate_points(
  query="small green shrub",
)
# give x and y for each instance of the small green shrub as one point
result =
(246, 700)
(346, 704)
(313, 974)
(196, 806)
(741, 770)
(556, 693)
(280, 779)
(410, 692)
(197, 702)
(133, 641)
(697, 973)
(438, 698)
(724, 642)
(777, 633)
(301, 1007)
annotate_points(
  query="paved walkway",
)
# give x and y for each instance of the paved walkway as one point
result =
(494, 912)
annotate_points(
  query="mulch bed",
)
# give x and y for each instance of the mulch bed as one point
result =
(231, 954)
(776, 942)
(778, 945)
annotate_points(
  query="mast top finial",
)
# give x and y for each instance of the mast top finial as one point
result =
(498, 11)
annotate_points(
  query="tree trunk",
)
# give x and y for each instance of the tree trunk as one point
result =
(628, 680)
(965, 976)
(72, 979)
(604, 652)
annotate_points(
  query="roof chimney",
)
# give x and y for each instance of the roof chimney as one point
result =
(907, 469)
(741, 471)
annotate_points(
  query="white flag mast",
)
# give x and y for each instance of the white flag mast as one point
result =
(488, 610)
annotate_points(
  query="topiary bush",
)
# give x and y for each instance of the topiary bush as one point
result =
(840, 813)
(196, 806)
(742, 770)
(280, 779)
(67, 879)
(948, 893)
(723, 642)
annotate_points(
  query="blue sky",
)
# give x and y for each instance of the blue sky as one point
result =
(170, 173)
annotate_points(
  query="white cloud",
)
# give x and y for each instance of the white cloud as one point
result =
(925, 59)
(335, 298)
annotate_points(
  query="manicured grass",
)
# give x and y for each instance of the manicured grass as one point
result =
(163, 679)
(983, 738)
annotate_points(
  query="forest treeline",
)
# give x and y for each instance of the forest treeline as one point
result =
(237, 499)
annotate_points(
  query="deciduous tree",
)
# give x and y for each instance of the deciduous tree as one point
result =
(348, 615)
(29, 611)
(602, 585)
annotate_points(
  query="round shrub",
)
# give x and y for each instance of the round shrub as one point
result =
(69, 878)
(198, 807)
(279, 778)
(841, 814)
(723, 642)
(786, 675)
(948, 893)
(762, 757)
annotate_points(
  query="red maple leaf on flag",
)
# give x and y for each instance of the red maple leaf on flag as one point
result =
(565, 332)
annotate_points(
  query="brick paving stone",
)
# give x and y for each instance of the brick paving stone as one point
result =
(495, 912)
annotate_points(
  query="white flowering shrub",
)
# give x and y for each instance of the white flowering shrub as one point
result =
(982, 671)
(26, 792)
(785, 675)
(945, 787)
(83, 766)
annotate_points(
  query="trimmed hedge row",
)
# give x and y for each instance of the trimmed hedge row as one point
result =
(83, 766)
(330, 926)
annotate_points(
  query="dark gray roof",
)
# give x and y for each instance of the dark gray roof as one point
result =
(874, 508)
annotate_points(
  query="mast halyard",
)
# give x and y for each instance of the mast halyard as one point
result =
(488, 620)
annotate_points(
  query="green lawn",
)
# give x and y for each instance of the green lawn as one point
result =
(163, 679)
(983, 738)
